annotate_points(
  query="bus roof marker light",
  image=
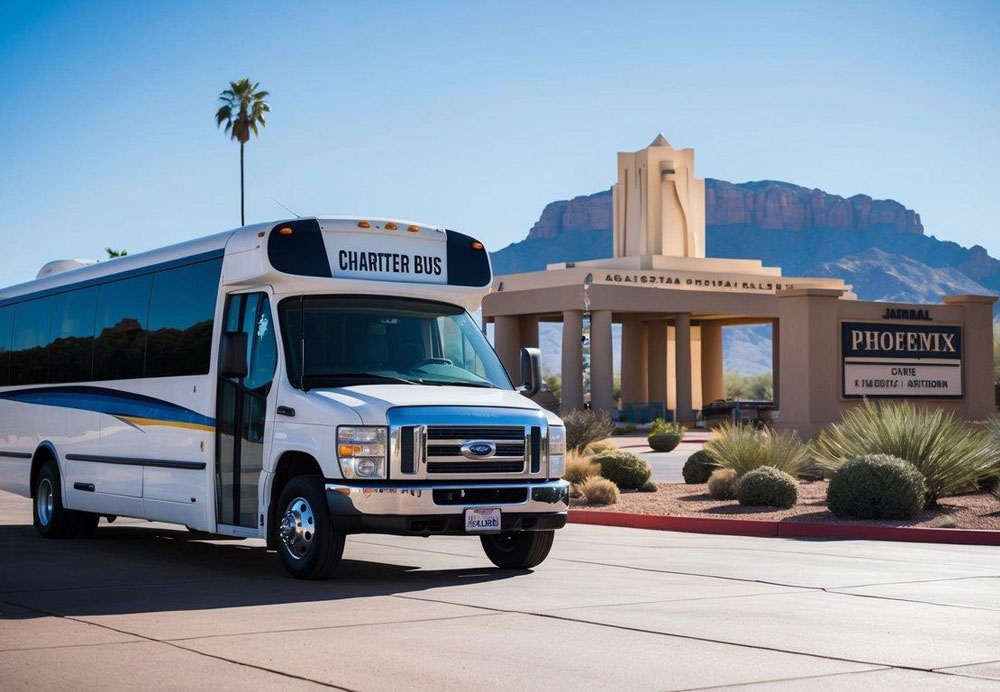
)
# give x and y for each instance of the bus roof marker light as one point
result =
(476, 245)
(285, 230)
(413, 229)
(390, 226)
(364, 224)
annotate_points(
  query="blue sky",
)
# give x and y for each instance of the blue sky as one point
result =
(475, 115)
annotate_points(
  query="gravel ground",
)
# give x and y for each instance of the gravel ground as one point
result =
(972, 511)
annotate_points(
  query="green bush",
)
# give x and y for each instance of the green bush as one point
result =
(626, 429)
(649, 487)
(585, 427)
(952, 455)
(662, 425)
(768, 486)
(698, 467)
(744, 448)
(624, 469)
(663, 441)
(877, 486)
(723, 484)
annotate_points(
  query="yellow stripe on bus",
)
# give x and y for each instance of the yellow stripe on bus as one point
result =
(169, 423)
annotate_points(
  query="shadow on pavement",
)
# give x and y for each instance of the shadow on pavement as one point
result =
(141, 569)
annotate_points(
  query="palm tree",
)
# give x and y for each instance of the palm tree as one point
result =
(242, 110)
(112, 253)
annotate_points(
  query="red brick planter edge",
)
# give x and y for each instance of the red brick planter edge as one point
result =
(785, 529)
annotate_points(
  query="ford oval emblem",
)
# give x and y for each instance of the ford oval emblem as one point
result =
(478, 449)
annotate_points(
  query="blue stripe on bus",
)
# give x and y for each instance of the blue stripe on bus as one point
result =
(112, 402)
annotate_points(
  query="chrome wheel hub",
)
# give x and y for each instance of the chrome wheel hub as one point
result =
(298, 527)
(45, 498)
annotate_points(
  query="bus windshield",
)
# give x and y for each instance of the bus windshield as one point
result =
(337, 341)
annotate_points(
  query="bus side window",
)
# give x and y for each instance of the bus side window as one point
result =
(28, 357)
(122, 315)
(263, 349)
(71, 353)
(181, 314)
(6, 334)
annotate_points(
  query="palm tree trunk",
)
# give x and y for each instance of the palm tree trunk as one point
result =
(242, 215)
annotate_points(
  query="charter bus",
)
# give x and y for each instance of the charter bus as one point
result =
(296, 381)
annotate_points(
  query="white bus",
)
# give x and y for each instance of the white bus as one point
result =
(296, 381)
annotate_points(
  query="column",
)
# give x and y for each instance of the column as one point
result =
(572, 360)
(977, 337)
(602, 366)
(810, 373)
(682, 331)
(529, 331)
(507, 342)
(634, 378)
(712, 387)
(775, 362)
(656, 353)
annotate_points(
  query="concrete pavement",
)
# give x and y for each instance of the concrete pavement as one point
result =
(148, 606)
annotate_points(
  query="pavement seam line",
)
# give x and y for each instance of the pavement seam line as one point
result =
(691, 637)
(911, 600)
(791, 679)
(66, 646)
(183, 648)
(332, 627)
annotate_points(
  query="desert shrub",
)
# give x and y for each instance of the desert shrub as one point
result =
(626, 429)
(624, 469)
(580, 467)
(768, 486)
(951, 455)
(723, 484)
(664, 436)
(649, 487)
(662, 425)
(877, 486)
(599, 491)
(698, 467)
(585, 427)
(663, 442)
(744, 448)
(599, 447)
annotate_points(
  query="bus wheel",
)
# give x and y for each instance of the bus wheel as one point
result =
(518, 549)
(51, 519)
(309, 544)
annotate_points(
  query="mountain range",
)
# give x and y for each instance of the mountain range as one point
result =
(878, 246)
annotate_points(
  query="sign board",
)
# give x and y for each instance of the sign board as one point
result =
(381, 257)
(901, 360)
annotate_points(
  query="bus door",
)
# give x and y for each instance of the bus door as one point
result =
(242, 405)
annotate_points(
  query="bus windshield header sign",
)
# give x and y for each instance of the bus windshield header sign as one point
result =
(901, 361)
(387, 258)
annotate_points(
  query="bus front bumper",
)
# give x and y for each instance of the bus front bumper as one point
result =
(423, 509)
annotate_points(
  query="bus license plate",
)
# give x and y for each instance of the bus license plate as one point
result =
(482, 520)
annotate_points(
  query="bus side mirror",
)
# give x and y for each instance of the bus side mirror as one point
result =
(233, 355)
(531, 372)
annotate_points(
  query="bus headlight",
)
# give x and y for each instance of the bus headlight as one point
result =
(361, 451)
(557, 451)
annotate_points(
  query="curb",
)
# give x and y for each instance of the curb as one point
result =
(785, 529)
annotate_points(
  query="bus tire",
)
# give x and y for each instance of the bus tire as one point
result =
(309, 544)
(518, 549)
(51, 519)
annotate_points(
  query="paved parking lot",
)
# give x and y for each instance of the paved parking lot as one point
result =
(146, 606)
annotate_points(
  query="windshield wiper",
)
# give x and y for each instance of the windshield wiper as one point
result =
(443, 383)
(363, 376)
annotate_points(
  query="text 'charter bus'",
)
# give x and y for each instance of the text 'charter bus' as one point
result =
(295, 381)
